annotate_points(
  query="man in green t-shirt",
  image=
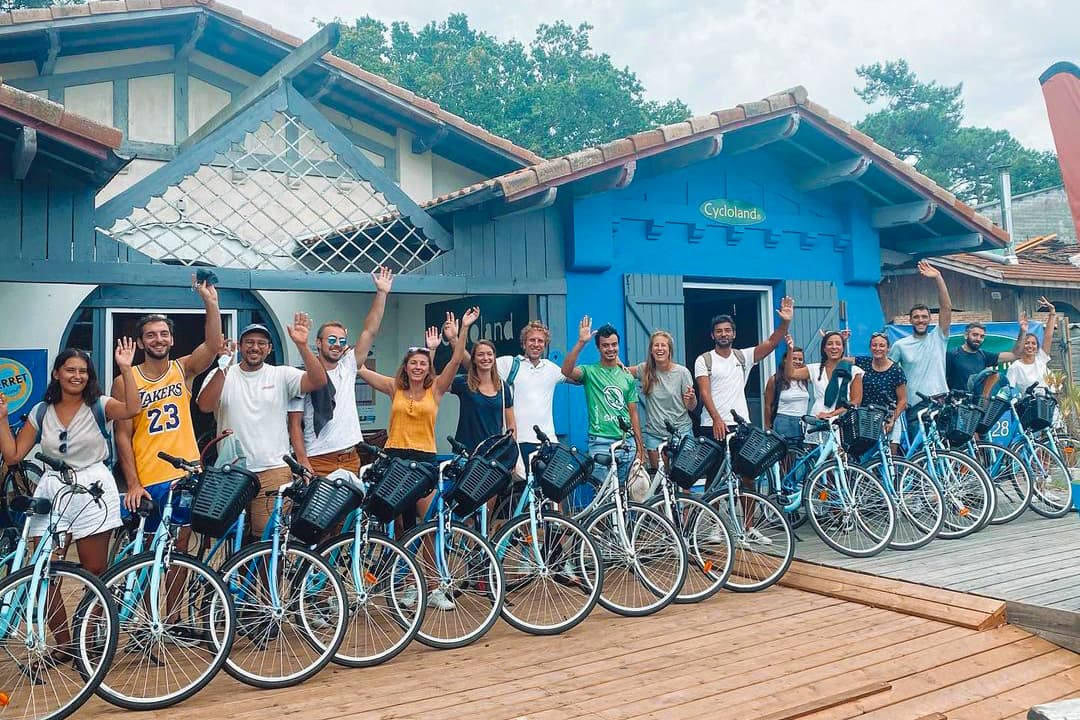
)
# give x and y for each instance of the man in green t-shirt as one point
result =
(610, 395)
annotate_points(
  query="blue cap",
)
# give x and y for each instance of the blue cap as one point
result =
(256, 327)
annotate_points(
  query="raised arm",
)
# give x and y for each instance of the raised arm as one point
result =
(794, 373)
(125, 451)
(1051, 323)
(1017, 348)
(785, 313)
(383, 280)
(446, 377)
(131, 404)
(314, 372)
(201, 357)
(569, 363)
(944, 301)
(14, 449)
(770, 399)
(382, 383)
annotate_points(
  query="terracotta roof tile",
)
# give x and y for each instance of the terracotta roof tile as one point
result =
(703, 123)
(617, 149)
(780, 101)
(169, 4)
(5, 18)
(27, 15)
(87, 128)
(50, 114)
(106, 7)
(647, 139)
(585, 158)
(676, 131)
(551, 169)
(62, 11)
(518, 181)
(730, 115)
(755, 108)
(31, 105)
(143, 5)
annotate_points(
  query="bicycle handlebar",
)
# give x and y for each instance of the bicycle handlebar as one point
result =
(296, 468)
(738, 419)
(58, 465)
(179, 463)
(458, 447)
(540, 435)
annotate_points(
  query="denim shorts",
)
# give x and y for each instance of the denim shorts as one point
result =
(652, 442)
(789, 427)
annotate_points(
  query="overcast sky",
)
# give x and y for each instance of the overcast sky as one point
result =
(717, 54)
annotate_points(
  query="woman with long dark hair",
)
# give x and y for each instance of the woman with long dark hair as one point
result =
(786, 399)
(833, 384)
(70, 420)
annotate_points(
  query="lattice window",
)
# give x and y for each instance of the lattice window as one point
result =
(279, 199)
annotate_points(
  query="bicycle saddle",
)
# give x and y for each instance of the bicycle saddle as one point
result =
(602, 459)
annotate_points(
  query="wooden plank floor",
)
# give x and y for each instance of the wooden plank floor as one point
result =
(1032, 560)
(776, 655)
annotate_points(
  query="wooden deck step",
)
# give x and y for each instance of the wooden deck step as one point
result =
(963, 609)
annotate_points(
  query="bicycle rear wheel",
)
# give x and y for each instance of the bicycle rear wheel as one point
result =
(51, 681)
(468, 581)
(763, 539)
(644, 559)
(1010, 479)
(382, 621)
(852, 512)
(554, 575)
(710, 549)
(287, 633)
(920, 510)
(161, 665)
(966, 491)
(1052, 491)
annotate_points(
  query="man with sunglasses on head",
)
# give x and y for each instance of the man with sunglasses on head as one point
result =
(164, 423)
(323, 425)
(969, 359)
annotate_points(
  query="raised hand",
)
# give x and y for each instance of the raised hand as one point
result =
(688, 395)
(787, 309)
(789, 341)
(585, 331)
(432, 338)
(226, 349)
(3, 407)
(927, 270)
(125, 352)
(471, 315)
(1043, 302)
(383, 279)
(300, 330)
(450, 328)
(1023, 323)
(206, 291)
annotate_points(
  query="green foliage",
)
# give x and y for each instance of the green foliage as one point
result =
(923, 121)
(6, 5)
(554, 96)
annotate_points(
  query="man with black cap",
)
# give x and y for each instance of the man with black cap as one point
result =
(252, 400)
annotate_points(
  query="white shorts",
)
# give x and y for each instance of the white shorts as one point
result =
(79, 514)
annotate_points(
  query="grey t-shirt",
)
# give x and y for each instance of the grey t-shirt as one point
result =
(664, 403)
(923, 360)
(83, 443)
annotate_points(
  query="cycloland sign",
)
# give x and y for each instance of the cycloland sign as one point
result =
(731, 212)
(24, 375)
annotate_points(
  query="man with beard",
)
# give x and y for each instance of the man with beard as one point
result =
(164, 423)
(922, 354)
(253, 399)
(964, 362)
(324, 426)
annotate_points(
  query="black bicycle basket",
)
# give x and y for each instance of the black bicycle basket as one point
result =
(694, 459)
(993, 409)
(325, 504)
(1036, 412)
(558, 469)
(754, 450)
(397, 485)
(222, 494)
(959, 423)
(861, 428)
(480, 480)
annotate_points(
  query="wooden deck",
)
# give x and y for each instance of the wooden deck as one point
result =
(854, 647)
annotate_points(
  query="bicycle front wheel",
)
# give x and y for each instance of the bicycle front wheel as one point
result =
(920, 510)
(162, 663)
(644, 559)
(386, 600)
(965, 490)
(710, 550)
(1009, 478)
(553, 572)
(468, 584)
(291, 614)
(48, 670)
(1052, 495)
(850, 510)
(763, 539)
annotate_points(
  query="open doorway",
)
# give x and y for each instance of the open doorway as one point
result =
(750, 307)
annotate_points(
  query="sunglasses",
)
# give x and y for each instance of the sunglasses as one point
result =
(419, 350)
(879, 334)
(340, 341)
(63, 441)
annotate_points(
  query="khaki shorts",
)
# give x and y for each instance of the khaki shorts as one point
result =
(261, 507)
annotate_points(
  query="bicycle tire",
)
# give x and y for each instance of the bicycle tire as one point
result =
(710, 549)
(573, 574)
(869, 500)
(477, 592)
(1011, 481)
(1052, 485)
(82, 666)
(207, 630)
(965, 493)
(920, 510)
(752, 570)
(630, 573)
(314, 625)
(377, 606)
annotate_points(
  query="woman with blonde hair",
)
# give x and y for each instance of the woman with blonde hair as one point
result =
(667, 391)
(487, 406)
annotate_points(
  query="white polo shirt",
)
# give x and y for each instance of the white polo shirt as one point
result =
(534, 395)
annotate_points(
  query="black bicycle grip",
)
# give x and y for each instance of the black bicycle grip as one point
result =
(540, 434)
(296, 467)
(57, 465)
(172, 460)
(1031, 388)
(624, 424)
(924, 398)
(458, 447)
(738, 419)
(671, 429)
(369, 449)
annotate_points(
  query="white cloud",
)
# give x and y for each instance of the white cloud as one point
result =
(717, 54)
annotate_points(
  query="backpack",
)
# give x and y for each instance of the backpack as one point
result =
(739, 358)
(99, 416)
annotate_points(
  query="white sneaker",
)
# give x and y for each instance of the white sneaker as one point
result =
(407, 598)
(438, 599)
(754, 535)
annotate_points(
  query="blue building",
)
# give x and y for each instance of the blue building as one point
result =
(294, 173)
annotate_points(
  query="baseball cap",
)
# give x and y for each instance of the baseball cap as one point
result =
(255, 327)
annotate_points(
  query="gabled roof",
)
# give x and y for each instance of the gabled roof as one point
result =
(26, 25)
(820, 139)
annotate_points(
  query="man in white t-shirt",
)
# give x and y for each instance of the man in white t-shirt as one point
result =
(721, 373)
(324, 426)
(922, 354)
(252, 400)
(532, 379)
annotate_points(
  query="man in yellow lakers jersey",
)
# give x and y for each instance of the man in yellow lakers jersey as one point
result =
(164, 423)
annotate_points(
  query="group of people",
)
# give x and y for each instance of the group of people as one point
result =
(272, 410)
